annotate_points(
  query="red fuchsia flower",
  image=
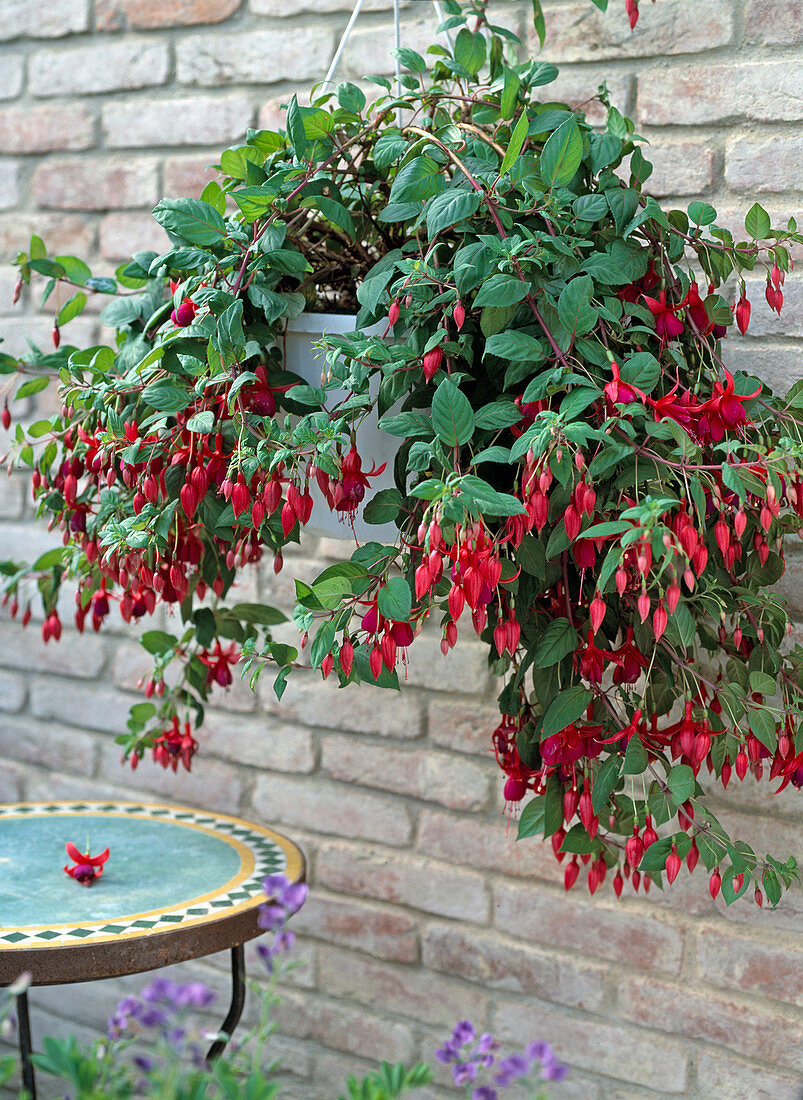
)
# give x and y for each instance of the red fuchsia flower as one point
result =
(219, 662)
(590, 661)
(649, 282)
(667, 325)
(723, 411)
(571, 744)
(529, 411)
(682, 409)
(173, 747)
(184, 314)
(630, 661)
(86, 868)
(742, 314)
(631, 7)
(348, 492)
(618, 392)
(519, 777)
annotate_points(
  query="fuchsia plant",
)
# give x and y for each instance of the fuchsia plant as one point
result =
(581, 479)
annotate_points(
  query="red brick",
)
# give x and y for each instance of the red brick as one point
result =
(101, 67)
(12, 782)
(122, 234)
(419, 994)
(343, 1027)
(463, 725)
(465, 669)
(578, 32)
(491, 846)
(493, 962)
(326, 808)
(722, 1077)
(42, 129)
(42, 743)
(12, 694)
(774, 22)
(579, 87)
(768, 164)
(77, 655)
(739, 963)
(777, 364)
(282, 7)
(765, 91)
(300, 53)
(596, 927)
(11, 76)
(433, 777)
(43, 19)
(743, 1026)
(610, 1048)
(62, 233)
(188, 120)
(309, 700)
(187, 175)
(368, 928)
(114, 15)
(680, 167)
(368, 50)
(406, 880)
(95, 184)
(248, 741)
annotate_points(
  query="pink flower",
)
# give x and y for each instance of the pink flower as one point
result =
(667, 324)
(86, 867)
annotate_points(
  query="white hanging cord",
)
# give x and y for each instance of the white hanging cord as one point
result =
(397, 32)
(346, 35)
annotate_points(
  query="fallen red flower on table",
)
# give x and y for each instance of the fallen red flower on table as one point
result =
(86, 867)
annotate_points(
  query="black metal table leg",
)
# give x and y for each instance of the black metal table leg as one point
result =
(237, 1001)
(24, 1025)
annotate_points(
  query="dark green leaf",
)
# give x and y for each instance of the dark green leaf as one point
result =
(562, 154)
(605, 783)
(570, 705)
(558, 641)
(450, 206)
(396, 600)
(194, 221)
(452, 416)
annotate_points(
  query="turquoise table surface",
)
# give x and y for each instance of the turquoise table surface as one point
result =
(178, 884)
(171, 869)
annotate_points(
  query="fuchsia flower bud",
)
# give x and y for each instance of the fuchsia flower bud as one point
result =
(393, 312)
(743, 309)
(459, 315)
(431, 362)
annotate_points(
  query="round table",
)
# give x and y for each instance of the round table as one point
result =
(180, 883)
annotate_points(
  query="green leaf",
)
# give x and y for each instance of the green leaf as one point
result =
(531, 822)
(488, 501)
(384, 507)
(576, 313)
(605, 783)
(497, 415)
(202, 422)
(469, 50)
(570, 705)
(757, 222)
(165, 396)
(396, 600)
(539, 21)
(157, 641)
(642, 370)
(501, 290)
(258, 613)
(517, 139)
(590, 208)
(635, 757)
(450, 206)
(411, 60)
(194, 221)
(762, 725)
(681, 783)
(577, 401)
(419, 179)
(702, 213)
(350, 97)
(562, 154)
(763, 682)
(515, 345)
(510, 94)
(71, 308)
(322, 642)
(558, 641)
(452, 416)
(32, 386)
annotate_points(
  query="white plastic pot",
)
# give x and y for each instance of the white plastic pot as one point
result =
(374, 446)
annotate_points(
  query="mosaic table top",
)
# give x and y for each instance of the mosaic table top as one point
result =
(172, 869)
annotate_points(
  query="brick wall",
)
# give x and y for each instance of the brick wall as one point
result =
(423, 910)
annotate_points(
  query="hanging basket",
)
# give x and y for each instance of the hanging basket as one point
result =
(374, 445)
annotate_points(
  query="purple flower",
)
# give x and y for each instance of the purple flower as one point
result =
(510, 1069)
(484, 1092)
(463, 1033)
(486, 1043)
(465, 1073)
(290, 896)
(551, 1068)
